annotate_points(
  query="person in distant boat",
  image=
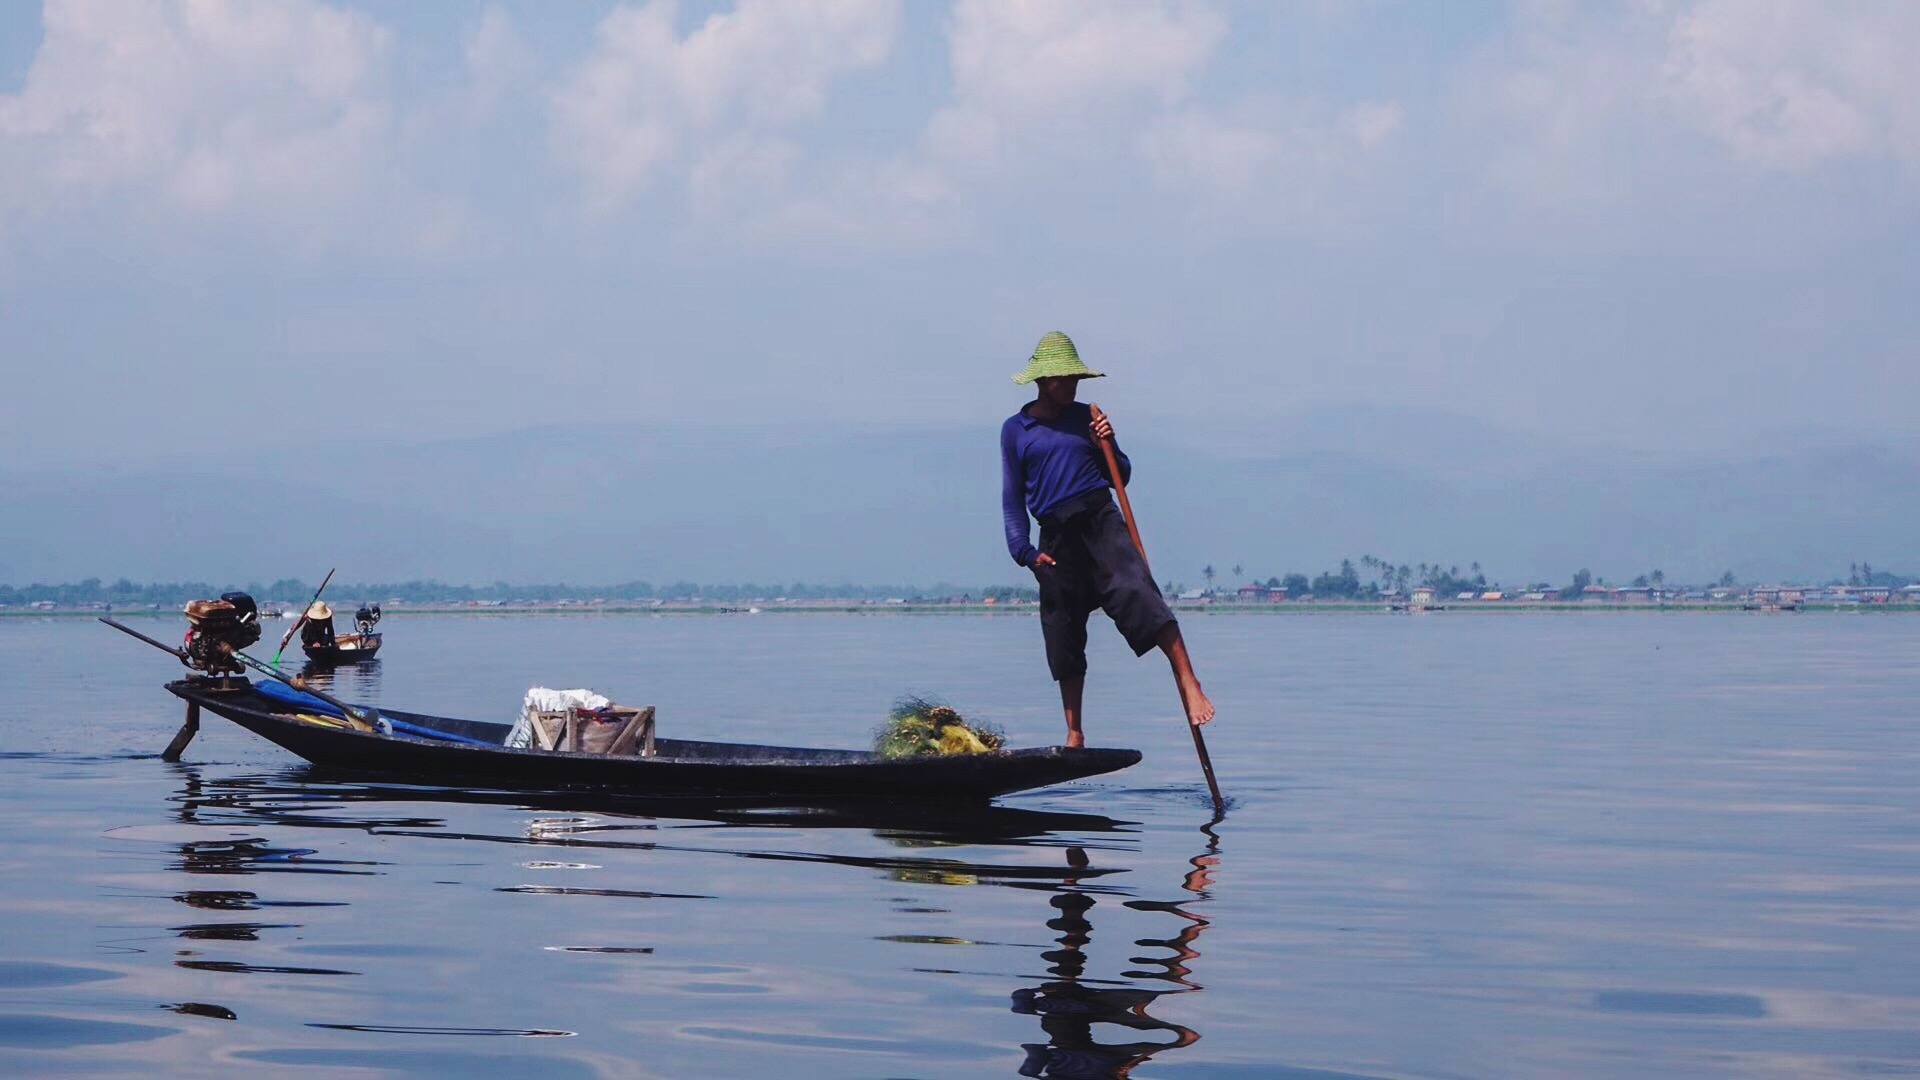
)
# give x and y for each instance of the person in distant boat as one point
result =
(317, 631)
(1051, 467)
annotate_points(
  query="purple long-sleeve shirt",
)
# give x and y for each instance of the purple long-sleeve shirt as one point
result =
(1044, 464)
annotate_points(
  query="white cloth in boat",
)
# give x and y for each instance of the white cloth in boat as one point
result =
(540, 699)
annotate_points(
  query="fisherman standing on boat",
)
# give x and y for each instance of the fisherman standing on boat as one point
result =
(1051, 466)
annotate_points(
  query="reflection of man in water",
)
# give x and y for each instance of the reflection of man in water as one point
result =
(1068, 1010)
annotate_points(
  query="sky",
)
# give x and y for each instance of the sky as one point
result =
(1672, 227)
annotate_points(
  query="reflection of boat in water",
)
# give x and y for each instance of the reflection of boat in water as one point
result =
(361, 679)
(281, 824)
(309, 796)
(289, 796)
(323, 646)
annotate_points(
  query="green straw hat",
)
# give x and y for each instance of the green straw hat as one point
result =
(1055, 355)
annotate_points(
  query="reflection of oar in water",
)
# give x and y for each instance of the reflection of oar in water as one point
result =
(302, 620)
(1198, 881)
(1133, 530)
(1201, 879)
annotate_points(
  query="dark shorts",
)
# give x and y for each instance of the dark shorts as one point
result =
(1097, 568)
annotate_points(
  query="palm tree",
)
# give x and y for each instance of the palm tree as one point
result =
(1237, 571)
(1208, 574)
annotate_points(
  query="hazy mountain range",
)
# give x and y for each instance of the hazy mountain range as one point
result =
(598, 504)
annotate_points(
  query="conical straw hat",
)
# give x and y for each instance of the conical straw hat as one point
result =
(1055, 355)
(319, 611)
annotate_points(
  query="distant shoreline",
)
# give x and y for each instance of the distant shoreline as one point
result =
(1292, 608)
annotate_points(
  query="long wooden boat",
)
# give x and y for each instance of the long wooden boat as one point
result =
(346, 649)
(437, 749)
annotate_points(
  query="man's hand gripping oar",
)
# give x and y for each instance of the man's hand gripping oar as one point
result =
(1104, 436)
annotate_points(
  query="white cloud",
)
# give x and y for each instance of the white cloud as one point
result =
(885, 203)
(645, 97)
(1062, 72)
(1033, 85)
(1282, 155)
(1372, 124)
(499, 60)
(1790, 85)
(210, 105)
(1601, 105)
(1098, 85)
(742, 170)
(1558, 102)
(1045, 95)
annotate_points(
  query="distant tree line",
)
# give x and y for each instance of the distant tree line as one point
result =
(1369, 578)
(125, 593)
(1374, 578)
(1381, 577)
(1861, 574)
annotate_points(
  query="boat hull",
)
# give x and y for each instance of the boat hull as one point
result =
(348, 649)
(681, 767)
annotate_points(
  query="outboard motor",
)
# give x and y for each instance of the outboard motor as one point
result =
(365, 618)
(219, 628)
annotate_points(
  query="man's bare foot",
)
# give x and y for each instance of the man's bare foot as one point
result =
(1199, 706)
(1075, 740)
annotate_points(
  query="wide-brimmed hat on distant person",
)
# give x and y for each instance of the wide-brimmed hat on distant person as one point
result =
(1055, 356)
(319, 611)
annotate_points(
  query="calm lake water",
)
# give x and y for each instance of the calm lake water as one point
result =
(1458, 846)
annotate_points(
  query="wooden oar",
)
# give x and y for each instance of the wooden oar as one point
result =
(161, 645)
(192, 726)
(365, 715)
(1133, 530)
(302, 620)
(357, 712)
